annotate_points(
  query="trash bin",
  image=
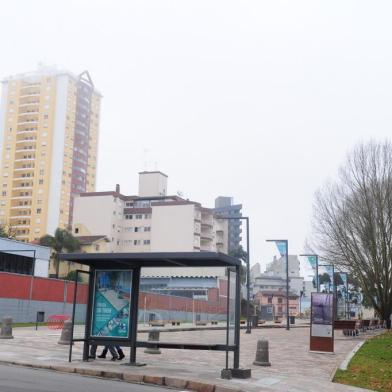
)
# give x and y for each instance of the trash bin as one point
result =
(254, 320)
(292, 319)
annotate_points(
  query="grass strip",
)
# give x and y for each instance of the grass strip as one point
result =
(371, 366)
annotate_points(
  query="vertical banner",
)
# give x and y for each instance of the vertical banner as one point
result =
(312, 261)
(282, 248)
(321, 327)
(112, 302)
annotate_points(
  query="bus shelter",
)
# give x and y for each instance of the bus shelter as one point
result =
(111, 312)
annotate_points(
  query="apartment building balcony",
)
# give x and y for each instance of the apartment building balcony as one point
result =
(21, 226)
(21, 169)
(27, 104)
(29, 177)
(26, 144)
(26, 150)
(28, 113)
(28, 122)
(206, 237)
(21, 236)
(22, 188)
(26, 131)
(29, 197)
(24, 159)
(30, 85)
(20, 207)
(26, 94)
(28, 216)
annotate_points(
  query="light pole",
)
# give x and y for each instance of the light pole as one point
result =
(246, 218)
(317, 276)
(286, 253)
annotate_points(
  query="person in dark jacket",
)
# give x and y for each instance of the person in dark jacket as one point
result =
(116, 351)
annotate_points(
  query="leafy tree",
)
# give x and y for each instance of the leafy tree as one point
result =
(72, 276)
(352, 225)
(241, 254)
(62, 242)
(7, 231)
(3, 232)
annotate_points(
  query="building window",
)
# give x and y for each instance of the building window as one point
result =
(136, 229)
(76, 230)
(97, 247)
(147, 228)
(270, 300)
(39, 210)
(280, 300)
(146, 242)
(136, 242)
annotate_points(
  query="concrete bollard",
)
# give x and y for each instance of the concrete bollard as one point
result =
(6, 328)
(153, 336)
(66, 333)
(262, 354)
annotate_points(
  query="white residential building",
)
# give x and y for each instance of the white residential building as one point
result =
(149, 222)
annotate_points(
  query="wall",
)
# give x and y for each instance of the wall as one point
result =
(172, 228)
(152, 184)
(22, 296)
(85, 212)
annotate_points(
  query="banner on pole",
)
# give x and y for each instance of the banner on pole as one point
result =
(282, 247)
(313, 262)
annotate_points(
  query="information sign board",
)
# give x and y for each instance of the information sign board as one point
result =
(112, 302)
(321, 327)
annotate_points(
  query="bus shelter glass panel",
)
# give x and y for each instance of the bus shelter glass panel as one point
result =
(80, 304)
(231, 314)
(184, 297)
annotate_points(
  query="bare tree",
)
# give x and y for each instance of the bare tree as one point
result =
(352, 222)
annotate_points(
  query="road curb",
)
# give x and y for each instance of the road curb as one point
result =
(172, 382)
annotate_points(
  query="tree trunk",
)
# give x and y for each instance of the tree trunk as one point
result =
(57, 265)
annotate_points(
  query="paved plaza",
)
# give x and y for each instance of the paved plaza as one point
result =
(293, 367)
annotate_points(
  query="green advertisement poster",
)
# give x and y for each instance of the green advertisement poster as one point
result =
(112, 301)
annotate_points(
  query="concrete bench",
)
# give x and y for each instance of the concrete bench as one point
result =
(199, 323)
(157, 323)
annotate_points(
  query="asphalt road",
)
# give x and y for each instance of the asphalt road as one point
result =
(19, 379)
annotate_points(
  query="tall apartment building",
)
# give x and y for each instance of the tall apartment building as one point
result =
(224, 207)
(49, 124)
(149, 222)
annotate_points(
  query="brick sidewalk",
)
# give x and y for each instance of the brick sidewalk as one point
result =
(293, 367)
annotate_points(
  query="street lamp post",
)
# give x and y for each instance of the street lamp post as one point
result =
(317, 276)
(286, 243)
(246, 218)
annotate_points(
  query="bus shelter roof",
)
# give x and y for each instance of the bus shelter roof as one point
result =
(152, 259)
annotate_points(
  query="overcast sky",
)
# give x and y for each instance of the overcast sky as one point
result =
(259, 100)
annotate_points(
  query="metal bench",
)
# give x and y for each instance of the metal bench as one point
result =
(349, 327)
